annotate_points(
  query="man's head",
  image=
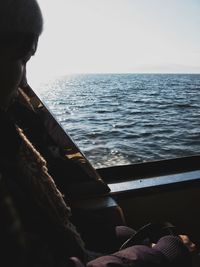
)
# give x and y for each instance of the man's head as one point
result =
(20, 26)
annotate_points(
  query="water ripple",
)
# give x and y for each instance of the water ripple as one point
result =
(127, 118)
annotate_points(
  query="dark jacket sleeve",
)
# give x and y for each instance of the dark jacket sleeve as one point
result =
(168, 252)
(136, 256)
(174, 251)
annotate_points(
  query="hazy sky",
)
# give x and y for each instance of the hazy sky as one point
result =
(117, 36)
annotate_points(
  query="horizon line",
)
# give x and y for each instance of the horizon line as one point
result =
(175, 73)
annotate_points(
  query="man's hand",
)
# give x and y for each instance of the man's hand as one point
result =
(188, 243)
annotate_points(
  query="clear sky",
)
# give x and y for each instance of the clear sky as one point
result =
(82, 36)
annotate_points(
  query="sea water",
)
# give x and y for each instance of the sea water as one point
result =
(128, 118)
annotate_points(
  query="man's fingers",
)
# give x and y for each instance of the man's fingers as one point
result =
(188, 243)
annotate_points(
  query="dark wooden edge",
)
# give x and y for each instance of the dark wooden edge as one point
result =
(149, 169)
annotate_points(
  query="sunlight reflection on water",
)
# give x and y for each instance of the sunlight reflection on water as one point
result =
(127, 118)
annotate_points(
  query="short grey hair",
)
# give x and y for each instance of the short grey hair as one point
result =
(20, 16)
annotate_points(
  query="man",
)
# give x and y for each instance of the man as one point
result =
(44, 215)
